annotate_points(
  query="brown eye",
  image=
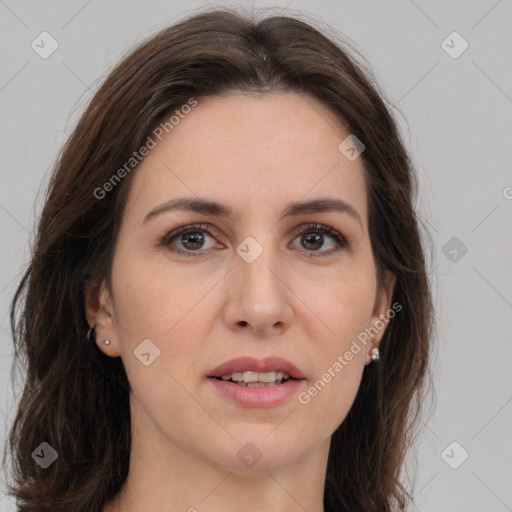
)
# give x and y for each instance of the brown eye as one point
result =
(192, 241)
(314, 238)
(312, 241)
(189, 239)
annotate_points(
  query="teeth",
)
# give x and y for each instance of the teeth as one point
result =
(260, 384)
(257, 384)
(250, 376)
(268, 377)
(256, 379)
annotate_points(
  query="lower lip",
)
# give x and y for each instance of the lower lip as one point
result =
(257, 397)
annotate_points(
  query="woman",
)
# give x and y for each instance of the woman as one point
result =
(227, 304)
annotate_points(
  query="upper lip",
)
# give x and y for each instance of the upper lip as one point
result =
(253, 364)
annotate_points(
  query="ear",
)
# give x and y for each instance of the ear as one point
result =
(99, 313)
(380, 315)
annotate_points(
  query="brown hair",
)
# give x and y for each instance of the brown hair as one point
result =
(74, 397)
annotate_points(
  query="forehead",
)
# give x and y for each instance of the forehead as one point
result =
(252, 152)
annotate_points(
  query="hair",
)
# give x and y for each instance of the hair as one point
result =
(77, 399)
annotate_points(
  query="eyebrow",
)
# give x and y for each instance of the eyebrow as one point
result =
(208, 207)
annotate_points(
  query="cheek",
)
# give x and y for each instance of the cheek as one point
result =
(172, 309)
(345, 306)
(153, 299)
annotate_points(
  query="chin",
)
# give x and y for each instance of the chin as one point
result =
(248, 454)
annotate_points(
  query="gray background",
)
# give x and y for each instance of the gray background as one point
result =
(455, 114)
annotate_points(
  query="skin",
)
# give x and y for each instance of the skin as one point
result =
(254, 154)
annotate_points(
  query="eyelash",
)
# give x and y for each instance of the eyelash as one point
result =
(340, 239)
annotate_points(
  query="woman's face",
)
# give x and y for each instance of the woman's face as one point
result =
(256, 280)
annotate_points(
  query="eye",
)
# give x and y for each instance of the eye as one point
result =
(191, 237)
(312, 238)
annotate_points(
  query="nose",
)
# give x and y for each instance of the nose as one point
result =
(258, 297)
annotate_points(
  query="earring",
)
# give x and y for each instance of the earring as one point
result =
(374, 354)
(106, 342)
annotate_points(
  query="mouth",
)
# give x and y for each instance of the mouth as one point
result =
(253, 382)
(250, 370)
(250, 379)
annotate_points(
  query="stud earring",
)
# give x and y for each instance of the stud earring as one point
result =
(374, 354)
(106, 342)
